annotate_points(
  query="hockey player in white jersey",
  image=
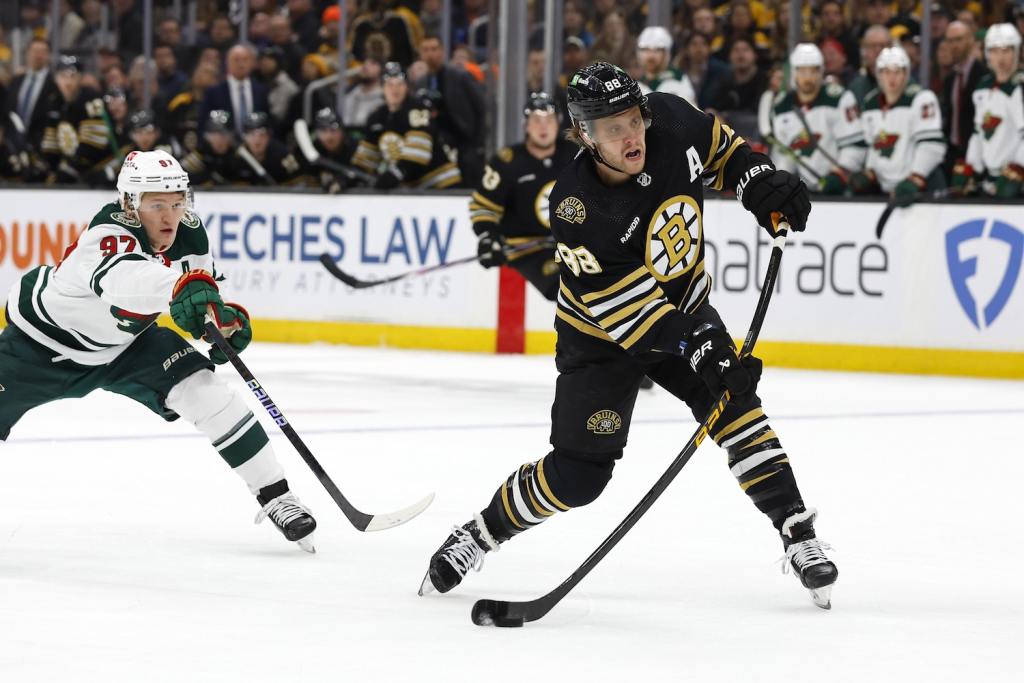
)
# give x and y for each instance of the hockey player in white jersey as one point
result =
(820, 123)
(995, 152)
(903, 129)
(654, 50)
(89, 323)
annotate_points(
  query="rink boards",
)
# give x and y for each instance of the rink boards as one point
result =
(939, 293)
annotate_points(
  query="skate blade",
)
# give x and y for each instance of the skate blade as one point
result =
(822, 597)
(426, 587)
(306, 544)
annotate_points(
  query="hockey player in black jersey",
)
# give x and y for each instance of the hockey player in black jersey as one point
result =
(510, 203)
(627, 218)
(215, 160)
(275, 164)
(76, 139)
(402, 146)
(336, 148)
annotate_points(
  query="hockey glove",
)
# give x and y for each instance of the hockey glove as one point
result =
(1009, 183)
(236, 328)
(906, 190)
(963, 177)
(195, 293)
(491, 250)
(864, 183)
(763, 191)
(712, 357)
(389, 179)
(834, 183)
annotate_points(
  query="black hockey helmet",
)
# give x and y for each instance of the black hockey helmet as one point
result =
(326, 119)
(428, 98)
(602, 89)
(392, 70)
(219, 121)
(539, 101)
(255, 121)
(143, 118)
(68, 63)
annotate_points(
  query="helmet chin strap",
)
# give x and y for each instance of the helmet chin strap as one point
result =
(594, 152)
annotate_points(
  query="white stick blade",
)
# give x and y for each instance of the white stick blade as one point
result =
(393, 519)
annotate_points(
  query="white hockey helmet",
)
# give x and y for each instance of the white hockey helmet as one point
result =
(1002, 35)
(892, 58)
(806, 54)
(654, 38)
(155, 171)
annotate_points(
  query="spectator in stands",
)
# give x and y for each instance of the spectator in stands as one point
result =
(128, 20)
(911, 44)
(183, 112)
(461, 106)
(33, 95)
(836, 67)
(71, 26)
(280, 32)
(878, 12)
(536, 64)
(239, 94)
(955, 98)
(614, 44)
(168, 32)
(91, 37)
(462, 57)
(32, 23)
(222, 34)
(259, 30)
(305, 22)
(386, 34)
(574, 23)
(874, 40)
(740, 22)
(137, 82)
(574, 57)
(365, 97)
(706, 74)
(281, 89)
(706, 23)
(170, 79)
(114, 77)
(833, 25)
(738, 98)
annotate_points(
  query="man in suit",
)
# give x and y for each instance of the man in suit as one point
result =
(239, 95)
(956, 103)
(33, 94)
(461, 115)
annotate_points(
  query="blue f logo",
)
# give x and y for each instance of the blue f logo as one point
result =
(961, 269)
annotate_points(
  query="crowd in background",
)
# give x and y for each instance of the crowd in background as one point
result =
(72, 120)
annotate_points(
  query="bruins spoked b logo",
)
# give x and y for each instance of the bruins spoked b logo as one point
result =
(674, 237)
(604, 422)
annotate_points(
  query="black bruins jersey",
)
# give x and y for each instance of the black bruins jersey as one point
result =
(281, 166)
(632, 255)
(206, 167)
(333, 181)
(76, 138)
(512, 196)
(407, 139)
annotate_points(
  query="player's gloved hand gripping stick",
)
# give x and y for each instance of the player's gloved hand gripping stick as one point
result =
(502, 613)
(360, 520)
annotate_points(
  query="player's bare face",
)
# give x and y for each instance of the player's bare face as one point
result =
(1002, 61)
(220, 143)
(892, 82)
(330, 138)
(257, 141)
(145, 139)
(652, 61)
(542, 129)
(621, 140)
(808, 81)
(395, 91)
(160, 213)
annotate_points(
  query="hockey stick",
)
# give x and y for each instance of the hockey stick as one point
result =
(810, 136)
(360, 520)
(255, 165)
(309, 151)
(356, 283)
(503, 613)
(775, 142)
(892, 205)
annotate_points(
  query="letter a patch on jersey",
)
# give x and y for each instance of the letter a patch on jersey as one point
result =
(696, 168)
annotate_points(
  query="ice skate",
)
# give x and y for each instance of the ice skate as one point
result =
(464, 550)
(805, 554)
(289, 515)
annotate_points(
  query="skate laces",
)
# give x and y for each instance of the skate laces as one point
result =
(464, 554)
(282, 510)
(805, 554)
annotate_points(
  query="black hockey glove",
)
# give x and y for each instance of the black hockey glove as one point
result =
(491, 250)
(388, 180)
(763, 191)
(237, 330)
(712, 356)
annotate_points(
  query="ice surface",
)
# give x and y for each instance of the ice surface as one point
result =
(127, 551)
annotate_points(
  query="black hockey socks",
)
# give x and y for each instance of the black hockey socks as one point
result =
(536, 491)
(761, 466)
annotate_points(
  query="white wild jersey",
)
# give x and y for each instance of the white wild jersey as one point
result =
(671, 82)
(832, 124)
(903, 138)
(107, 289)
(998, 125)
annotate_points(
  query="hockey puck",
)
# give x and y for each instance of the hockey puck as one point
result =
(490, 613)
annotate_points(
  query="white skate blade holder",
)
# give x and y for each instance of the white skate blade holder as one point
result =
(306, 544)
(822, 597)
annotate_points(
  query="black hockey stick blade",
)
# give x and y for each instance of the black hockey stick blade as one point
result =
(356, 283)
(503, 613)
(883, 219)
(891, 205)
(360, 520)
